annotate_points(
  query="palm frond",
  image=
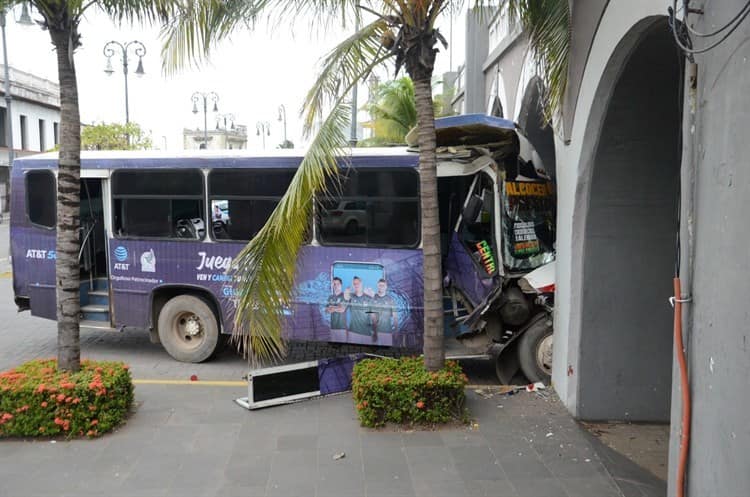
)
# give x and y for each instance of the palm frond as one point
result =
(190, 32)
(547, 23)
(265, 269)
(349, 62)
(141, 11)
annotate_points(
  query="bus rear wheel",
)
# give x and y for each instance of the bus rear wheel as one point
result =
(188, 329)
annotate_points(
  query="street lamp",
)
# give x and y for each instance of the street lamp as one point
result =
(263, 128)
(197, 96)
(282, 118)
(226, 118)
(25, 20)
(139, 50)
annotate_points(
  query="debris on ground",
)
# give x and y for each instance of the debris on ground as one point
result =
(339, 455)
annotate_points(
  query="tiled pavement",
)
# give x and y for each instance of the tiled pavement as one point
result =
(192, 440)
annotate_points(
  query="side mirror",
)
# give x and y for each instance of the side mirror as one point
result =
(472, 209)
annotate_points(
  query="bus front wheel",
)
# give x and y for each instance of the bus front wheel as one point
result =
(188, 329)
(535, 351)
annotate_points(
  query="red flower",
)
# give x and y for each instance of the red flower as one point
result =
(364, 403)
(59, 421)
(44, 404)
(60, 397)
(40, 388)
(94, 422)
(420, 405)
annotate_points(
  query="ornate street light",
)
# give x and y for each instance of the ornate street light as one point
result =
(197, 97)
(225, 118)
(263, 128)
(138, 49)
(282, 118)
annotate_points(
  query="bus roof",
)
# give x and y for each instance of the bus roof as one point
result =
(117, 159)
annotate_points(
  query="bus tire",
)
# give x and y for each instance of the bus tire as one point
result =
(535, 351)
(188, 329)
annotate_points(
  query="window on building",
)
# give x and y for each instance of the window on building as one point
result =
(371, 207)
(56, 132)
(243, 199)
(3, 128)
(24, 134)
(42, 141)
(40, 198)
(159, 204)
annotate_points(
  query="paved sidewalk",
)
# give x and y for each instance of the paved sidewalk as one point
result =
(193, 440)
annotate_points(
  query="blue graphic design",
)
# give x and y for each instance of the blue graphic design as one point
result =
(121, 253)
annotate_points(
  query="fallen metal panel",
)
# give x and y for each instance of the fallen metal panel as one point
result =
(294, 382)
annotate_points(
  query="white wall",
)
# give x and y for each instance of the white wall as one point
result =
(33, 113)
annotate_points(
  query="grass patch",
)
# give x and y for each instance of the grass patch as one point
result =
(402, 391)
(38, 400)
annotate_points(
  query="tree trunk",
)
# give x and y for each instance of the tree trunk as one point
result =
(434, 353)
(67, 269)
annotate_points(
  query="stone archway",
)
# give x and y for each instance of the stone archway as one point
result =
(628, 250)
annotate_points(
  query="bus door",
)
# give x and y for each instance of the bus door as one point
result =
(93, 254)
(473, 262)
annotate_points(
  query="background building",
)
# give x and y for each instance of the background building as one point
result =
(233, 137)
(35, 109)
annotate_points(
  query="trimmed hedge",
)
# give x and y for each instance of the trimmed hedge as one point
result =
(38, 400)
(403, 391)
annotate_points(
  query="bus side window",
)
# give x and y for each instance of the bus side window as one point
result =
(372, 208)
(159, 204)
(41, 198)
(242, 200)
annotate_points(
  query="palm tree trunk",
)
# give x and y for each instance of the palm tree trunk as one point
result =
(67, 272)
(434, 353)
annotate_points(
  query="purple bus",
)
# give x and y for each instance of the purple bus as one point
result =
(159, 231)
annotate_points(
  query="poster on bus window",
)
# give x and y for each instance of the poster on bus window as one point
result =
(343, 297)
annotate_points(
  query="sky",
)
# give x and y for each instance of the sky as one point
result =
(252, 73)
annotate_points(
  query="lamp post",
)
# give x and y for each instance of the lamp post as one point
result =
(263, 128)
(282, 119)
(25, 20)
(138, 49)
(226, 118)
(197, 97)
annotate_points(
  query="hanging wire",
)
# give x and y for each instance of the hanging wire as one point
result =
(726, 26)
(681, 30)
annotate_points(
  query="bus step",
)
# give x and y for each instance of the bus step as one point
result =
(96, 325)
(98, 297)
(95, 312)
(101, 284)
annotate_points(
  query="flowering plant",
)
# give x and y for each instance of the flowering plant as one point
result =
(38, 400)
(403, 391)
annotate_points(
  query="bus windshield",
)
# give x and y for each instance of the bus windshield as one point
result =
(528, 224)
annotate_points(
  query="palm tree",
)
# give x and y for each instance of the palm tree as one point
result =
(61, 19)
(394, 112)
(404, 31)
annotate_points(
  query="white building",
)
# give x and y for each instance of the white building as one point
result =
(35, 118)
(225, 138)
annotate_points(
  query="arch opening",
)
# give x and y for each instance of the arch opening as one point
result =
(629, 246)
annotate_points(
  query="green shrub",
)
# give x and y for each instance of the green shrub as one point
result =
(403, 391)
(38, 400)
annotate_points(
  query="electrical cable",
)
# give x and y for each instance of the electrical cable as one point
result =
(726, 26)
(685, 30)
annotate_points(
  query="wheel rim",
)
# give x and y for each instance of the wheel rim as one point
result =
(189, 330)
(544, 354)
